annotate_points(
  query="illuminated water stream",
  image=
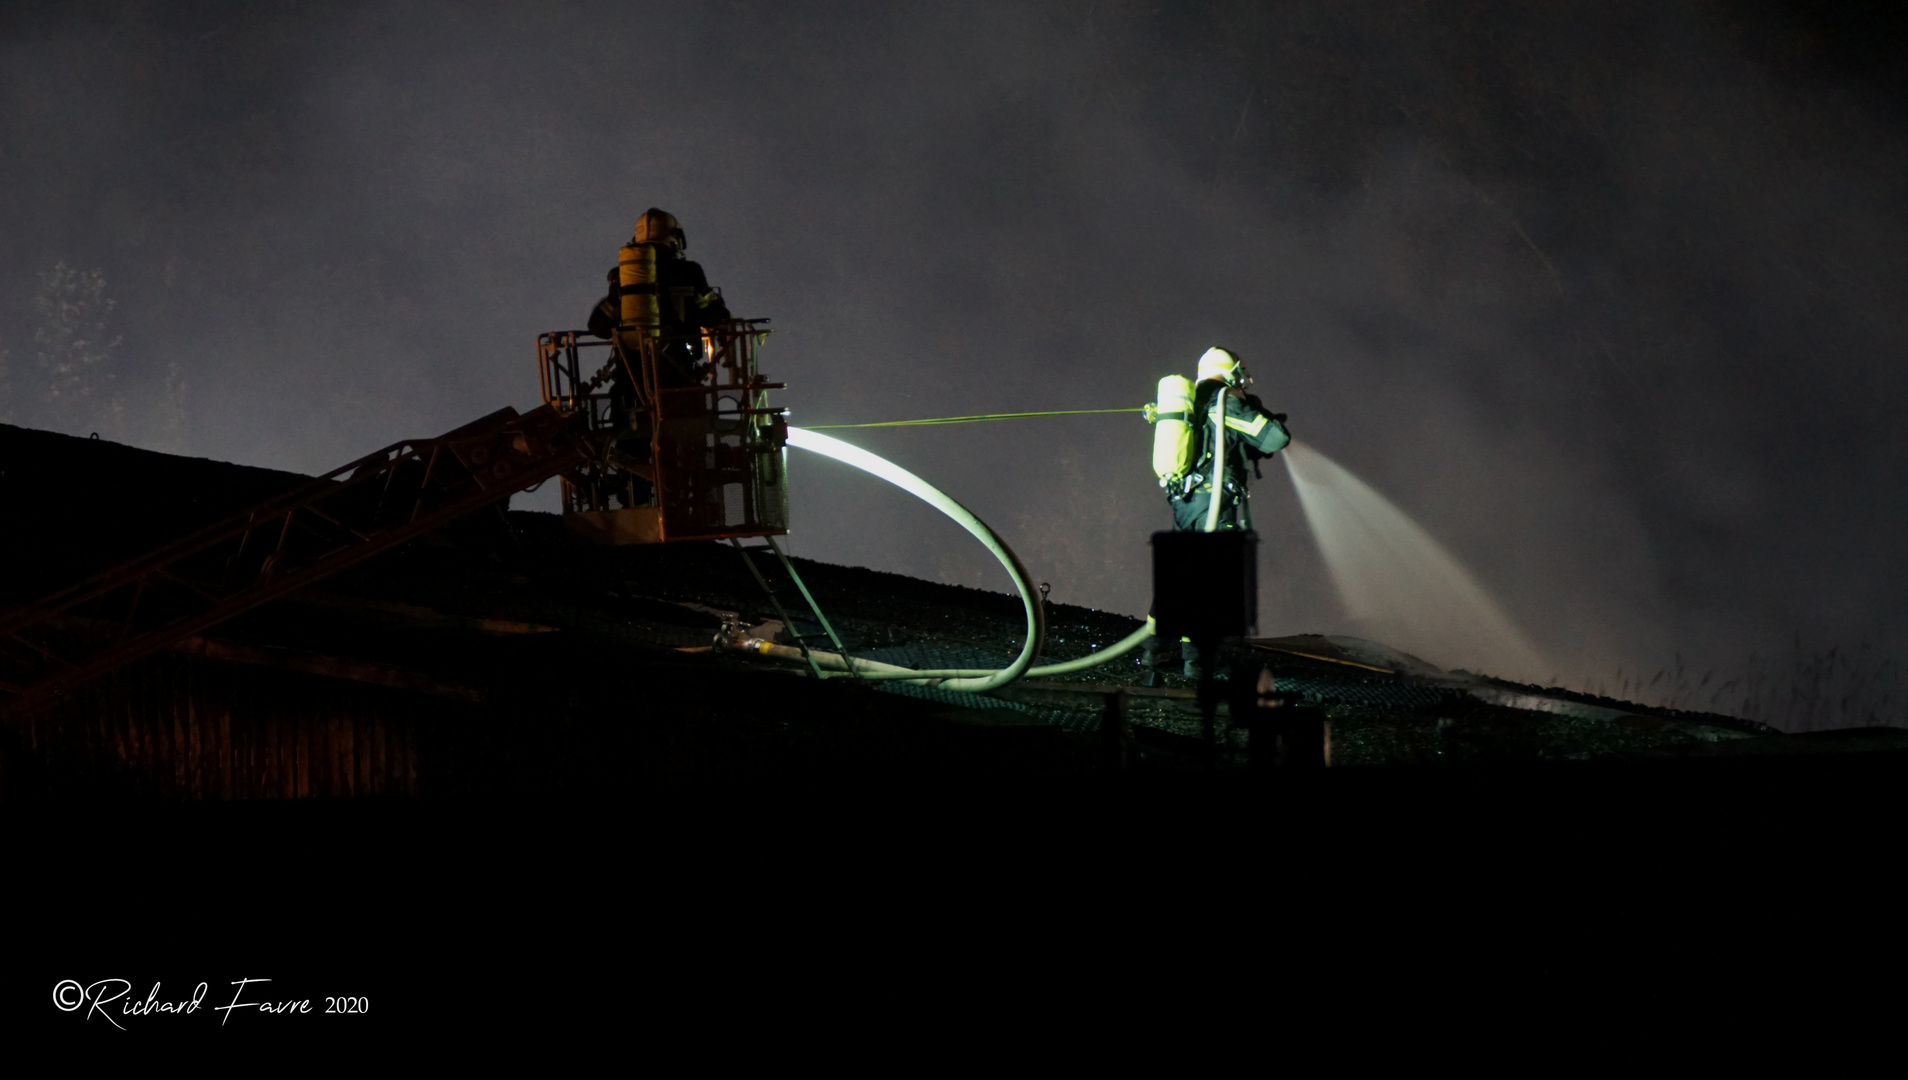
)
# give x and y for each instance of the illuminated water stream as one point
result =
(1401, 587)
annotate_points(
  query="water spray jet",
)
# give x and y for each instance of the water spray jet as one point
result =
(1400, 584)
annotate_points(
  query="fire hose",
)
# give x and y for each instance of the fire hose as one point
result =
(971, 680)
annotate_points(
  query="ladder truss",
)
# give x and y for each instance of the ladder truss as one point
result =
(336, 521)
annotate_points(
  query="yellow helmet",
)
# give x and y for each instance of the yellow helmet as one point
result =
(657, 227)
(1224, 365)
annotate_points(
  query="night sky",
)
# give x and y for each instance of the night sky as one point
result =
(1609, 296)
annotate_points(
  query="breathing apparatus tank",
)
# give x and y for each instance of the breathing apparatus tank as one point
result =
(636, 284)
(1172, 429)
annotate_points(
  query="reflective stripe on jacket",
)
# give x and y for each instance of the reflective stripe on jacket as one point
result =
(1251, 432)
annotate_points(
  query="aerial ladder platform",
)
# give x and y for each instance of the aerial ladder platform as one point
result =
(672, 438)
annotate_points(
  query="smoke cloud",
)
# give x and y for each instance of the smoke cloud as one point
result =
(1609, 298)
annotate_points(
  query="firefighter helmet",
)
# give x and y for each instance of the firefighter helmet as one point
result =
(1224, 365)
(658, 227)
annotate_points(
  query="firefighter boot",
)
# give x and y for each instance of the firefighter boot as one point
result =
(1155, 653)
(1195, 666)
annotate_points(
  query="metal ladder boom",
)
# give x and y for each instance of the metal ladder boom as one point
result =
(336, 521)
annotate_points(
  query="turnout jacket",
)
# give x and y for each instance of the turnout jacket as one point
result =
(1252, 433)
(687, 300)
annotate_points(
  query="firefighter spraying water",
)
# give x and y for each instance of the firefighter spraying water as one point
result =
(1205, 434)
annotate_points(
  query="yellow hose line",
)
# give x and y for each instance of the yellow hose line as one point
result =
(875, 669)
(973, 419)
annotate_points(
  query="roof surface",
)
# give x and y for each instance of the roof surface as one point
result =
(513, 655)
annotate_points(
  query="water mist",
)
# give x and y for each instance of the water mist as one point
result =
(1399, 586)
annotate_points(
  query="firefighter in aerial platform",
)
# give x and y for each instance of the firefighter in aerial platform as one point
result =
(654, 294)
(654, 291)
(1184, 421)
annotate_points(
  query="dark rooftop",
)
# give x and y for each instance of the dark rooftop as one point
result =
(501, 655)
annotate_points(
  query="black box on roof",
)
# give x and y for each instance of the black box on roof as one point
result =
(1206, 585)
